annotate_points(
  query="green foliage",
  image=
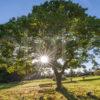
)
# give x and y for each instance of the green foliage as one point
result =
(7, 48)
(6, 76)
(11, 69)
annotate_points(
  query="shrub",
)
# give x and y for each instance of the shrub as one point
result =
(97, 72)
(6, 77)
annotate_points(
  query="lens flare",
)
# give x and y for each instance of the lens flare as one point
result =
(44, 59)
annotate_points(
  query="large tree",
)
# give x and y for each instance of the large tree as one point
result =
(66, 28)
(58, 28)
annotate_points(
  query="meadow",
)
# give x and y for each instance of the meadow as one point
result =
(79, 89)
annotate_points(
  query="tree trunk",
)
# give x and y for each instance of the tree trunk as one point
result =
(71, 79)
(58, 77)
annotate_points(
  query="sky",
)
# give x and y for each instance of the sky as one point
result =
(92, 5)
(17, 8)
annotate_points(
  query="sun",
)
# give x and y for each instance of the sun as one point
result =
(44, 59)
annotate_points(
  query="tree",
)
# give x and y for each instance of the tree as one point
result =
(71, 31)
(59, 28)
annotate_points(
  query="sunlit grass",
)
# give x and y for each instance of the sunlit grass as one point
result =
(28, 90)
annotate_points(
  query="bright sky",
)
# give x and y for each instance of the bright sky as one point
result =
(92, 5)
(17, 8)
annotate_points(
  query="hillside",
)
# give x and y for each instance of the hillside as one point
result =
(36, 89)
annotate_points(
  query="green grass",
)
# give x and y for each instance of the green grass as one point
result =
(30, 90)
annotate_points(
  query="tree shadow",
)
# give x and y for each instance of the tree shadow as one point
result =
(92, 97)
(68, 95)
(91, 79)
(70, 82)
(9, 85)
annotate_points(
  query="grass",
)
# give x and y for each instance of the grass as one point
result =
(30, 90)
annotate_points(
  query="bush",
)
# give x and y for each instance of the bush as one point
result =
(97, 72)
(6, 77)
(3, 75)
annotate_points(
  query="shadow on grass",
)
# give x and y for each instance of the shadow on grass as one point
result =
(68, 95)
(70, 82)
(92, 97)
(91, 79)
(9, 85)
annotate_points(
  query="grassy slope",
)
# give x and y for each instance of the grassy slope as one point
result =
(29, 90)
